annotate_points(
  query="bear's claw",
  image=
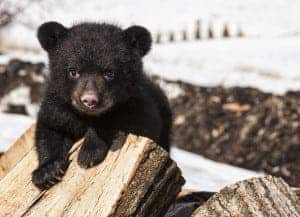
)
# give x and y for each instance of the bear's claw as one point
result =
(49, 174)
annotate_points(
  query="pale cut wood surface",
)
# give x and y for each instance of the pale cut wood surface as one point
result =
(257, 197)
(16, 152)
(136, 179)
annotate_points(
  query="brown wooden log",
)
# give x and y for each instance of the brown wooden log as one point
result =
(136, 179)
(257, 197)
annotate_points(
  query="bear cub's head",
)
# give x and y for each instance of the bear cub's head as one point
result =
(94, 67)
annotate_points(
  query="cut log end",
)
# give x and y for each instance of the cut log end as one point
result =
(152, 197)
(257, 197)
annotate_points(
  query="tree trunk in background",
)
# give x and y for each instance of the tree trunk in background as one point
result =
(257, 197)
(137, 179)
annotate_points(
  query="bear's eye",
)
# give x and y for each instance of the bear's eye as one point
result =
(109, 75)
(73, 74)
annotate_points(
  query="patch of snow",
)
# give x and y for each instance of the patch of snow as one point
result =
(272, 65)
(203, 174)
(12, 127)
(31, 56)
(171, 90)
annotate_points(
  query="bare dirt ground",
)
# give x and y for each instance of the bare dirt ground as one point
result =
(240, 126)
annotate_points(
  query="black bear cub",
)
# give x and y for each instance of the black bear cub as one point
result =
(97, 90)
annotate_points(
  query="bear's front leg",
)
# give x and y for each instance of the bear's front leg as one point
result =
(93, 150)
(52, 150)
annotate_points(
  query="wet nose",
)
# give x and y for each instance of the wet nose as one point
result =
(90, 100)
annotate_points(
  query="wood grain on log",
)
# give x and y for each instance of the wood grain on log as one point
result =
(257, 197)
(136, 179)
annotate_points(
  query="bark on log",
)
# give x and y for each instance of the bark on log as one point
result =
(136, 179)
(257, 197)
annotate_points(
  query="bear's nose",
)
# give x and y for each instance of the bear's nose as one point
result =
(90, 100)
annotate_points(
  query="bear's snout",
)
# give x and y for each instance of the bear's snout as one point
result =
(89, 100)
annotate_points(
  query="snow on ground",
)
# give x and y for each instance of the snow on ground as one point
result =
(32, 56)
(272, 65)
(207, 175)
(200, 173)
(254, 17)
(11, 127)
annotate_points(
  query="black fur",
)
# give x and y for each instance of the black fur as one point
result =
(49, 34)
(105, 62)
(139, 38)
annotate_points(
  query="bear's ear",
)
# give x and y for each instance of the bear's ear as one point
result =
(50, 33)
(139, 38)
